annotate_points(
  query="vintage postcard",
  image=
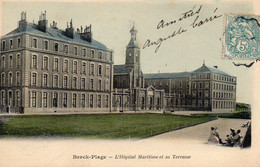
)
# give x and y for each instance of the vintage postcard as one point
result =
(129, 83)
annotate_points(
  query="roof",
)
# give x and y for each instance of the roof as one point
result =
(119, 69)
(55, 34)
(202, 69)
(167, 75)
(133, 44)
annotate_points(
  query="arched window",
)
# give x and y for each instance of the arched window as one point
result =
(18, 98)
(18, 60)
(74, 100)
(66, 65)
(3, 45)
(10, 78)
(34, 61)
(99, 70)
(18, 78)
(75, 82)
(65, 81)
(45, 79)
(91, 101)
(3, 62)
(75, 51)
(3, 98)
(11, 62)
(92, 53)
(3, 79)
(55, 80)
(75, 67)
(66, 49)
(34, 78)
(100, 55)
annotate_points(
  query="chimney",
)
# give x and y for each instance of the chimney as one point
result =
(216, 66)
(70, 30)
(42, 23)
(87, 34)
(23, 22)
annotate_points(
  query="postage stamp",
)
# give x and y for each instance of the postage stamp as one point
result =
(241, 37)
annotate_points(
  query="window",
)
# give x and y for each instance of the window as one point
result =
(99, 70)
(92, 69)
(107, 84)
(83, 100)
(34, 61)
(3, 62)
(99, 101)
(46, 45)
(18, 98)
(3, 79)
(10, 78)
(66, 65)
(66, 49)
(65, 100)
(75, 51)
(56, 63)
(75, 67)
(107, 71)
(84, 52)
(206, 103)
(45, 79)
(106, 101)
(55, 99)
(200, 94)
(65, 81)
(92, 53)
(100, 55)
(91, 84)
(18, 60)
(84, 68)
(3, 45)
(194, 85)
(18, 78)
(55, 81)
(74, 100)
(33, 99)
(200, 85)
(3, 98)
(19, 42)
(99, 84)
(11, 43)
(206, 85)
(34, 75)
(91, 101)
(45, 63)
(56, 47)
(180, 84)
(83, 83)
(11, 63)
(75, 82)
(44, 99)
(35, 43)
(194, 93)
(206, 94)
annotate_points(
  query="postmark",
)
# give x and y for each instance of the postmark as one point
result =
(241, 37)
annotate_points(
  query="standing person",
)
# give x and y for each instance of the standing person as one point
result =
(217, 135)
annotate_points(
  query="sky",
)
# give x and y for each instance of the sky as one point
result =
(111, 23)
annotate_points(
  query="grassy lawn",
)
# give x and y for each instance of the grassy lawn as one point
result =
(106, 126)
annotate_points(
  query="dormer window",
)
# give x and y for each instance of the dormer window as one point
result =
(56, 47)
(3, 45)
(46, 45)
(11, 43)
(35, 43)
(66, 49)
(100, 55)
(75, 51)
(19, 42)
(92, 53)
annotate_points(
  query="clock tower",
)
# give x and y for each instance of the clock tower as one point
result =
(132, 62)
